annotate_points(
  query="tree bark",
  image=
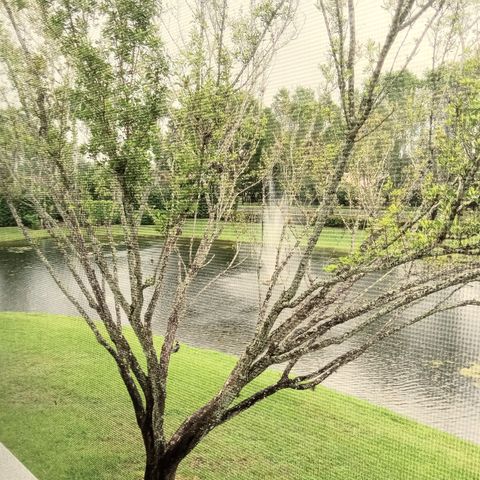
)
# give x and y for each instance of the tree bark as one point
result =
(161, 468)
(160, 465)
(158, 472)
(162, 460)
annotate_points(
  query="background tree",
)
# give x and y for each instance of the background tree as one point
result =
(305, 131)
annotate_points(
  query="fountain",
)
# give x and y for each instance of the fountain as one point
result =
(275, 236)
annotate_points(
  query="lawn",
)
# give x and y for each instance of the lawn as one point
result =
(65, 414)
(332, 238)
(14, 234)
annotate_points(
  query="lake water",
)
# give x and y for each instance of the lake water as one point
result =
(415, 373)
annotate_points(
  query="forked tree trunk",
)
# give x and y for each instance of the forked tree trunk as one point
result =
(162, 467)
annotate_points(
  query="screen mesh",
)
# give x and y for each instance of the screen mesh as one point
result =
(240, 239)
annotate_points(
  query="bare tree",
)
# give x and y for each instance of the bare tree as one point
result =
(111, 98)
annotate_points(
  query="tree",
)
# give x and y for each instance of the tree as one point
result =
(111, 100)
(305, 131)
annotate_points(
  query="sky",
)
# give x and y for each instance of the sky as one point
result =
(298, 62)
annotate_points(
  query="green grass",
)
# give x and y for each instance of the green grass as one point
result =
(65, 414)
(332, 238)
(14, 234)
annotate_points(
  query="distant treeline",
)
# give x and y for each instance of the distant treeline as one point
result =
(302, 130)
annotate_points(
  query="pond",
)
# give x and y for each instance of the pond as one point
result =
(424, 372)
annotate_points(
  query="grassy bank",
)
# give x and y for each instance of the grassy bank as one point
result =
(65, 414)
(332, 238)
(14, 234)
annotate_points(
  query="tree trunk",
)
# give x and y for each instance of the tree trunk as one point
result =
(160, 472)
(161, 467)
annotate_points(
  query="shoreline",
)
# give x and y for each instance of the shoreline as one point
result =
(333, 238)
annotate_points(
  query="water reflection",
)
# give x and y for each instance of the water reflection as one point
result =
(415, 373)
